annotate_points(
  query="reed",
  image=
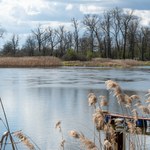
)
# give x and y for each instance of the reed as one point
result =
(134, 135)
(42, 61)
(103, 62)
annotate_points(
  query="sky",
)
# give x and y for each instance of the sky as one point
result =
(21, 16)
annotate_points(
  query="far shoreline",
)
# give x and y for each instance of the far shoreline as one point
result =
(49, 61)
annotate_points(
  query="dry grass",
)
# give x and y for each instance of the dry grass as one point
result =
(101, 62)
(47, 61)
(42, 61)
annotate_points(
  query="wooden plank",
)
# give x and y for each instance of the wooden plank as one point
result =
(126, 116)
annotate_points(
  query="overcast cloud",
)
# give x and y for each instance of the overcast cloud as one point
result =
(20, 16)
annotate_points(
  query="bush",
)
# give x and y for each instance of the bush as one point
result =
(72, 55)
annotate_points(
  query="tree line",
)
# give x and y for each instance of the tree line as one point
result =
(116, 34)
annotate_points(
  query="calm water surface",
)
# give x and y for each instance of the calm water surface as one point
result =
(35, 99)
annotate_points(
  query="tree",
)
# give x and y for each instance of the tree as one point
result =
(116, 17)
(15, 43)
(132, 35)
(90, 22)
(106, 26)
(125, 20)
(11, 47)
(39, 35)
(7, 48)
(52, 39)
(62, 37)
(30, 45)
(75, 24)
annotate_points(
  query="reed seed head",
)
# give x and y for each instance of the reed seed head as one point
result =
(74, 134)
(58, 124)
(24, 139)
(107, 144)
(92, 99)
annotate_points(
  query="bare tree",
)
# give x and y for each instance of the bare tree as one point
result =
(132, 36)
(11, 47)
(116, 17)
(52, 39)
(76, 33)
(144, 42)
(39, 34)
(106, 26)
(125, 20)
(90, 22)
(62, 40)
(15, 43)
(30, 45)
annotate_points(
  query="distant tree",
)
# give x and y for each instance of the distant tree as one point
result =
(15, 43)
(39, 34)
(75, 24)
(62, 37)
(144, 42)
(52, 39)
(125, 20)
(11, 47)
(116, 18)
(90, 22)
(7, 48)
(106, 26)
(132, 36)
(29, 46)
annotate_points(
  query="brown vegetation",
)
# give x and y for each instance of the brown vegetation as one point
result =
(46, 61)
(102, 62)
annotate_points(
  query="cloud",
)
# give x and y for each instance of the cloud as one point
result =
(92, 9)
(20, 16)
(69, 7)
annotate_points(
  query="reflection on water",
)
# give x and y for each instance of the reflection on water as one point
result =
(35, 99)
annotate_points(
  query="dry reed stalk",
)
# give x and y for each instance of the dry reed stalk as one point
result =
(133, 129)
(107, 144)
(98, 119)
(103, 101)
(92, 99)
(58, 125)
(135, 114)
(88, 144)
(145, 109)
(74, 134)
(147, 100)
(24, 139)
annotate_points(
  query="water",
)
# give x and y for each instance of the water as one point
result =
(35, 99)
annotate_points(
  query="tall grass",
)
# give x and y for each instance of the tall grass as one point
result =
(134, 136)
(43, 61)
(103, 62)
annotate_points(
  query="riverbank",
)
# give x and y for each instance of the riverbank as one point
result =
(101, 62)
(48, 61)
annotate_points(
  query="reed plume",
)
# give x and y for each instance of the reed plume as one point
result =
(92, 99)
(24, 139)
(87, 143)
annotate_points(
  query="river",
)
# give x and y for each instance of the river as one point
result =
(36, 98)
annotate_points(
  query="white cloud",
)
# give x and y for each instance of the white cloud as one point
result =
(86, 9)
(20, 16)
(144, 15)
(69, 7)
